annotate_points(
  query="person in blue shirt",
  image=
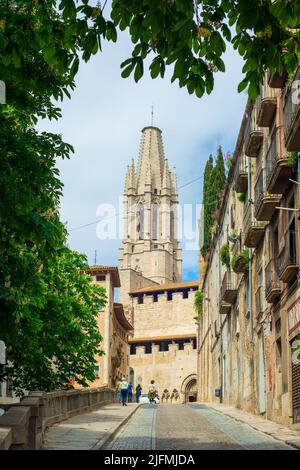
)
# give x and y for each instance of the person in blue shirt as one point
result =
(138, 392)
(129, 392)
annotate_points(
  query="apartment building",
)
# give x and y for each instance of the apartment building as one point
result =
(251, 308)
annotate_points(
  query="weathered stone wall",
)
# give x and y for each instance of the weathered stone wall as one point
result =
(164, 318)
(247, 350)
(169, 369)
(24, 424)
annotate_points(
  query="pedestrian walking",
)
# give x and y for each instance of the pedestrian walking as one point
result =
(152, 392)
(118, 390)
(138, 392)
(129, 392)
(124, 387)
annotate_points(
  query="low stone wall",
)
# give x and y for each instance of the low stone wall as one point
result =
(23, 425)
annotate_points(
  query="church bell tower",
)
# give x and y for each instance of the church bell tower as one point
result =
(150, 242)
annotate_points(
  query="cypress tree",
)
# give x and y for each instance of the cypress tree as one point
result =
(219, 176)
(213, 185)
(207, 203)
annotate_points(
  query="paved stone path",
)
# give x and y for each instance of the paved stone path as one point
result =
(140, 432)
(279, 431)
(88, 430)
(189, 427)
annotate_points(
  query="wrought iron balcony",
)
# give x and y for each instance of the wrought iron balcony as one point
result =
(273, 289)
(253, 229)
(265, 203)
(229, 288)
(241, 174)
(266, 104)
(280, 166)
(288, 264)
(224, 307)
(291, 116)
(259, 301)
(253, 135)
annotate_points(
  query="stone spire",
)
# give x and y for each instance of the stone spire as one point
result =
(151, 153)
(152, 188)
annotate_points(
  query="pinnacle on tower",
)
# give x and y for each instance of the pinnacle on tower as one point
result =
(131, 178)
(166, 183)
(126, 185)
(174, 182)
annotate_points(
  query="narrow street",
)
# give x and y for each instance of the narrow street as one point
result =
(189, 427)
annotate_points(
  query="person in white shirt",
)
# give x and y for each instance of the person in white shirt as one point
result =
(124, 387)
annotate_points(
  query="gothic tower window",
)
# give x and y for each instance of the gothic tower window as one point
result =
(154, 221)
(140, 225)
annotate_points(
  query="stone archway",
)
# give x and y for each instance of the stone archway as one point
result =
(189, 388)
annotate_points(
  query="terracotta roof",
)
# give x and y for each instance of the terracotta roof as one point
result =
(120, 316)
(165, 287)
(100, 269)
(162, 338)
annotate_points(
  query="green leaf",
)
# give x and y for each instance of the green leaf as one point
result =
(139, 70)
(242, 85)
(127, 71)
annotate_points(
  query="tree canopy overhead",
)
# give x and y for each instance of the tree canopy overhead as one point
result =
(188, 35)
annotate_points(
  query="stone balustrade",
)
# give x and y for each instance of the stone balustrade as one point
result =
(23, 424)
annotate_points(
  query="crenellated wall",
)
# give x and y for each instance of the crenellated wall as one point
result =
(169, 369)
(164, 317)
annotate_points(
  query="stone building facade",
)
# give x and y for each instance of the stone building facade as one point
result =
(114, 329)
(159, 306)
(251, 309)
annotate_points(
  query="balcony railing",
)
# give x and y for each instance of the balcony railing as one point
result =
(265, 203)
(279, 165)
(253, 229)
(288, 263)
(259, 301)
(241, 174)
(273, 289)
(266, 104)
(291, 116)
(229, 288)
(253, 135)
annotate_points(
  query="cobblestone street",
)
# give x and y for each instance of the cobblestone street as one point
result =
(192, 427)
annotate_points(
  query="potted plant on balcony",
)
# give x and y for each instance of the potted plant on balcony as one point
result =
(292, 158)
(225, 255)
(240, 262)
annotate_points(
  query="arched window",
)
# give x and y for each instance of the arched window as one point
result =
(154, 221)
(140, 225)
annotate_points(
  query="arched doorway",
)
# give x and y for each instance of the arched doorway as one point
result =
(189, 388)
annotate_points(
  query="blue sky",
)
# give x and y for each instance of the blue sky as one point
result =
(103, 121)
